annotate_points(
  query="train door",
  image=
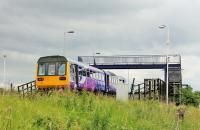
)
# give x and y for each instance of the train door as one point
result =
(106, 82)
(76, 76)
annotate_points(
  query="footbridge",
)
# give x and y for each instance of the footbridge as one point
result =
(142, 62)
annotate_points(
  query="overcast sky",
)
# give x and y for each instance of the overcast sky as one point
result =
(33, 28)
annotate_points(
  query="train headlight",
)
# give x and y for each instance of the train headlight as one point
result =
(40, 79)
(62, 78)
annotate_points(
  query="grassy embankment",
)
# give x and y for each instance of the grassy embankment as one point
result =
(87, 111)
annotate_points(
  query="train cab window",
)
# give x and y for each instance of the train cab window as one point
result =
(51, 69)
(41, 69)
(61, 69)
(83, 73)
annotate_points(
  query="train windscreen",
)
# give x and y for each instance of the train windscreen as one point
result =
(61, 69)
(50, 69)
(41, 69)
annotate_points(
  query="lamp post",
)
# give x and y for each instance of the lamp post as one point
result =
(4, 69)
(65, 36)
(97, 53)
(167, 61)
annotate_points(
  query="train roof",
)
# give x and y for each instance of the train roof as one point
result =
(86, 66)
(55, 58)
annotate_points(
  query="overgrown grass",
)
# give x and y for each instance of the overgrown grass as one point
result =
(87, 111)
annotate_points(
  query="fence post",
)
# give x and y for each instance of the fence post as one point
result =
(27, 88)
(154, 89)
(150, 83)
(23, 90)
(18, 89)
(11, 87)
(31, 87)
(160, 90)
(139, 91)
(145, 91)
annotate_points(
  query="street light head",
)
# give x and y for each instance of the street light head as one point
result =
(162, 26)
(4, 56)
(98, 53)
(70, 32)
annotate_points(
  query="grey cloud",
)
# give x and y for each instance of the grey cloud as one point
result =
(30, 29)
(78, 7)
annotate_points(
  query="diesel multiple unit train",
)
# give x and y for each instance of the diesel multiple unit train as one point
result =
(60, 72)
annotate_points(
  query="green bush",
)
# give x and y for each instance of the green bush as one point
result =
(189, 97)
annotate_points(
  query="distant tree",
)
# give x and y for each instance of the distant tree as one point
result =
(189, 97)
(197, 93)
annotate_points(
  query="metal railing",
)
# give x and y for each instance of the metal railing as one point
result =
(26, 88)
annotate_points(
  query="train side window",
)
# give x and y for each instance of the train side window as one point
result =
(103, 77)
(82, 72)
(95, 74)
(91, 74)
(41, 69)
(85, 73)
(99, 76)
(51, 69)
(61, 69)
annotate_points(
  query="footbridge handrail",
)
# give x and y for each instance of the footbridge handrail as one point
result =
(130, 59)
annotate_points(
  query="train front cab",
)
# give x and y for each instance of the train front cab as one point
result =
(52, 72)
